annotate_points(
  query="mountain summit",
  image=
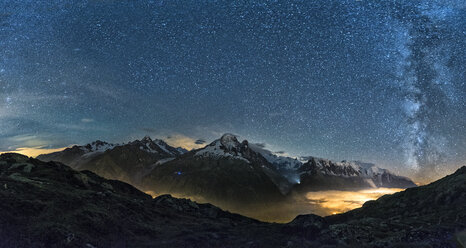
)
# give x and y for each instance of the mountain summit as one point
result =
(229, 141)
(228, 146)
(322, 174)
(127, 162)
(227, 172)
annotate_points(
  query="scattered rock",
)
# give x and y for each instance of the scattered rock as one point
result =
(107, 186)
(16, 166)
(308, 225)
(211, 212)
(28, 168)
(59, 213)
(82, 178)
(18, 177)
(461, 239)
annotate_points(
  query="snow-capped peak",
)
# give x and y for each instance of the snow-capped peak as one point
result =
(98, 146)
(369, 169)
(346, 168)
(227, 146)
(156, 146)
(281, 162)
(373, 175)
(146, 139)
(229, 141)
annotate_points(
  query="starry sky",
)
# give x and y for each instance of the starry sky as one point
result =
(378, 81)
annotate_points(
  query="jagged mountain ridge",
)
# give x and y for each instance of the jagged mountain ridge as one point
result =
(323, 174)
(127, 162)
(281, 162)
(228, 146)
(225, 172)
(231, 174)
(76, 154)
(294, 169)
(51, 205)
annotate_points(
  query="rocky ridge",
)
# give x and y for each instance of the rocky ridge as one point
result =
(48, 204)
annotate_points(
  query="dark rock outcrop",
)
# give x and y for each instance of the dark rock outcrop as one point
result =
(48, 204)
(52, 205)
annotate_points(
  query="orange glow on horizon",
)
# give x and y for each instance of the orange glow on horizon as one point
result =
(34, 151)
(178, 140)
(336, 201)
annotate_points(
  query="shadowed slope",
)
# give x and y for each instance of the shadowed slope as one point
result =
(51, 205)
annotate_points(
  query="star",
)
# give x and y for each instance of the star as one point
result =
(377, 81)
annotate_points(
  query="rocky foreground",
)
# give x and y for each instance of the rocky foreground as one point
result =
(51, 205)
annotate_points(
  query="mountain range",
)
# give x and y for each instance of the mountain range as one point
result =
(226, 172)
(126, 162)
(322, 174)
(48, 204)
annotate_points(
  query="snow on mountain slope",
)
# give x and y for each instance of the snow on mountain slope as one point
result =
(129, 162)
(227, 146)
(165, 160)
(293, 169)
(157, 146)
(281, 162)
(96, 147)
(367, 174)
(77, 156)
(100, 146)
(347, 168)
(369, 169)
(157, 152)
(225, 171)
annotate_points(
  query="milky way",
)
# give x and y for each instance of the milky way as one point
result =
(425, 77)
(379, 81)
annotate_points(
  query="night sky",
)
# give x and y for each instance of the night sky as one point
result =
(378, 81)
